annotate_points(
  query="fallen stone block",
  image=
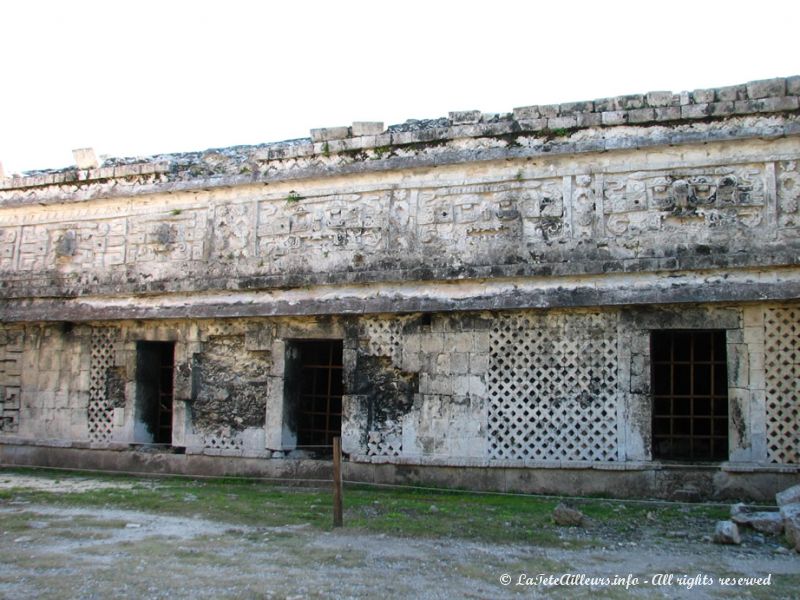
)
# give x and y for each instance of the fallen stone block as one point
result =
(788, 496)
(791, 524)
(727, 532)
(770, 523)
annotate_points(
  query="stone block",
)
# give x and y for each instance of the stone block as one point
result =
(694, 111)
(641, 115)
(85, 158)
(549, 110)
(703, 96)
(526, 113)
(788, 496)
(458, 342)
(791, 524)
(571, 108)
(614, 117)
(432, 343)
(562, 123)
(478, 363)
(324, 134)
(668, 113)
(658, 99)
(721, 108)
(464, 117)
(770, 523)
(766, 88)
(459, 363)
(732, 93)
(533, 124)
(588, 119)
(726, 532)
(793, 85)
(480, 342)
(778, 104)
(360, 128)
(2, 173)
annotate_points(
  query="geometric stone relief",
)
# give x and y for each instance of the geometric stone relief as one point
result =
(343, 222)
(465, 215)
(222, 440)
(177, 237)
(456, 219)
(683, 199)
(782, 375)
(383, 337)
(101, 407)
(552, 387)
(82, 244)
(10, 373)
(788, 184)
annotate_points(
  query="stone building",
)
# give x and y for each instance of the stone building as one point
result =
(592, 297)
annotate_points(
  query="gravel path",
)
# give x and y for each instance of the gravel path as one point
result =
(52, 552)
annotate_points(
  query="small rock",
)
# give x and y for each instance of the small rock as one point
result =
(727, 532)
(23, 538)
(739, 508)
(788, 496)
(38, 524)
(570, 517)
(132, 525)
(434, 508)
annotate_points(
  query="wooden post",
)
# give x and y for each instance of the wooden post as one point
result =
(337, 482)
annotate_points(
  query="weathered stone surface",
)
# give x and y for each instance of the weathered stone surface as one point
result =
(791, 524)
(567, 516)
(324, 134)
(726, 532)
(465, 116)
(766, 88)
(501, 279)
(788, 496)
(85, 158)
(770, 523)
(360, 128)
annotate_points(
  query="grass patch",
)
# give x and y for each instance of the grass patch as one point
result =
(400, 512)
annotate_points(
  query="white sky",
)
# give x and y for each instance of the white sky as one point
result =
(144, 77)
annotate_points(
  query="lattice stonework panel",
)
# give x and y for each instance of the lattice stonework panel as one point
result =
(782, 374)
(552, 386)
(101, 410)
(383, 337)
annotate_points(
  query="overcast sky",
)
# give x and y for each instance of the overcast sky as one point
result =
(145, 77)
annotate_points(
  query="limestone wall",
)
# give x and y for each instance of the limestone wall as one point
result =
(544, 388)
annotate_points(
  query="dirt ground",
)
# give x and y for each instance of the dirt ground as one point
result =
(54, 552)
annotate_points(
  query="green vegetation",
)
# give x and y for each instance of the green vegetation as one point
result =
(394, 511)
(293, 197)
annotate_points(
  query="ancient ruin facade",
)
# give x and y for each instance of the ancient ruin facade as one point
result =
(594, 297)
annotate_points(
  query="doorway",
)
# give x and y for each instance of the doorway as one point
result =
(690, 395)
(155, 364)
(316, 374)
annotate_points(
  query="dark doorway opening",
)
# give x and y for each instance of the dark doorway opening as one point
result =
(316, 384)
(155, 362)
(690, 395)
